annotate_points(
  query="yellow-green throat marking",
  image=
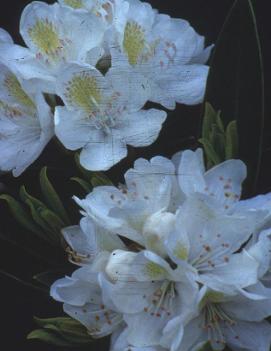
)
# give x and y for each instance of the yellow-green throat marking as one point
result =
(134, 41)
(16, 91)
(83, 91)
(45, 37)
(76, 4)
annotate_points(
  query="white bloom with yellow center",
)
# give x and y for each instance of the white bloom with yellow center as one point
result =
(103, 114)
(205, 243)
(138, 210)
(149, 293)
(113, 12)
(167, 51)
(26, 122)
(89, 247)
(222, 321)
(54, 35)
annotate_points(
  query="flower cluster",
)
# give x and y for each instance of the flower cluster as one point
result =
(104, 59)
(172, 259)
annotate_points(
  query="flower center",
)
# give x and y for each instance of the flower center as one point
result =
(134, 41)
(214, 321)
(45, 37)
(76, 4)
(210, 257)
(161, 301)
(154, 271)
(83, 92)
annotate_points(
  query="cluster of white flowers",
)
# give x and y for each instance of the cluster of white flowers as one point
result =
(172, 259)
(105, 59)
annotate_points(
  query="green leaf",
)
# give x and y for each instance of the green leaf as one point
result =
(83, 183)
(36, 208)
(20, 214)
(27, 197)
(231, 147)
(206, 347)
(69, 329)
(49, 337)
(53, 221)
(211, 154)
(51, 197)
(99, 179)
(235, 83)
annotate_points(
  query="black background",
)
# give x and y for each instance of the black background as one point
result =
(19, 303)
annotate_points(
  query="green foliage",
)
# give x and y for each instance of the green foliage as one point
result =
(206, 347)
(61, 331)
(51, 197)
(20, 214)
(220, 143)
(235, 86)
(86, 186)
(44, 220)
(91, 179)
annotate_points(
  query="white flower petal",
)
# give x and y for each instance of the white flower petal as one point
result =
(73, 129)
(225, 180)
(242, 308)
(183, 84)
(142, 128)
(191, 172)
(103, 154)
(5, 37)
(73, 291)
(249, 336)
(240, 272)
(97, 319)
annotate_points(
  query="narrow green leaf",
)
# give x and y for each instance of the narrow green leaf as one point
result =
(36, 207)
(53, 221)
(208, 120)
(51, 197)
(69, 329)
(99, 179)
(217, 140)
(235, 84)
(20, 214)
(219, 122)
(231, 147)
(46, 230)
(25, 197)
(83, 183)
(48, 337)
(206, 347)
(210, 152)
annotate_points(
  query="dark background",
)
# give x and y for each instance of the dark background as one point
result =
(18, 303)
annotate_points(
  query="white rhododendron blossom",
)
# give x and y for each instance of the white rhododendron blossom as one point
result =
(26, 122)
(54, 35)
(106, 59)
(101, 116)
(165, 50)
(174, 257)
